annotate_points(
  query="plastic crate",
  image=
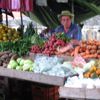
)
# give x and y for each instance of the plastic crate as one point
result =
(44, 92)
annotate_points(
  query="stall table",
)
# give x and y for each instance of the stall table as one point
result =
(33, 77)
(79, 93)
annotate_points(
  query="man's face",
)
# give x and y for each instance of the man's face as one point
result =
(66, 21)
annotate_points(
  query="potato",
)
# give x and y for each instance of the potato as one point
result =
(98, 43)
(98, 51)
(83, 49)
(83, 45)
(94, 47)
(99, 47)
(4, 65)
(87, 51)
(92, 51)
(4, 56)
(89, 47)
(83, 42)
(80, 50)
(11, 54)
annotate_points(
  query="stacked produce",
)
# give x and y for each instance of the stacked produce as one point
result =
(21, 64)
(8, 34)
(87, 49)
(20, 47)
(52, 65)
(35, 49)
(50, 46)
(37, 43)
(94, 71)
(5, 58)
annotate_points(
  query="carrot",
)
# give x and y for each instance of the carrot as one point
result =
(87, 51)
(98, 43)
(89, 56)
(72, 54)
(98, 56)
(76, 50)
(83, 54)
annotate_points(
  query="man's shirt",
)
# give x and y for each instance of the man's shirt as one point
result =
(74, 32)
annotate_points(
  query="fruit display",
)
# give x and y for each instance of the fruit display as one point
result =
(94, 70)
(87, 49)
(21, 64)
(5, 58)
(8, 34)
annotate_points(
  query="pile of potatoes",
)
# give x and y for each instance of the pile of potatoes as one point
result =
(5, 58)
(87, 49)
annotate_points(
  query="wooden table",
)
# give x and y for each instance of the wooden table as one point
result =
(64, 92)
(81, 93)
(33, 77)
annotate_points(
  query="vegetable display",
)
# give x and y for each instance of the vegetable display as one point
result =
(20, 47)
(5, 58)
(21, 64)
(87, 49)
(50, 46)
(12, 43)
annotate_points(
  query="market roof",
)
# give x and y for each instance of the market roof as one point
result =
(46, 11)
(83, 9)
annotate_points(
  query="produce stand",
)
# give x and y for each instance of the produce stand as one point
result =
(33, 77)
(81, 93)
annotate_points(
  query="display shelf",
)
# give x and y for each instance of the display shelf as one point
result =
(33, 77)
(79, 93)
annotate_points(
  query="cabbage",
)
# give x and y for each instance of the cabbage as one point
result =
(28, 61)
(13, 64)
(19, 68)
(18, 60)
(21, 62)
(9, 66)
(31, 69)
(26, 67)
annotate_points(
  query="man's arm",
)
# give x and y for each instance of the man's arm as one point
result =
(77, 36)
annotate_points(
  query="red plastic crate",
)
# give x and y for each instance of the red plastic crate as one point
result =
(44, 92)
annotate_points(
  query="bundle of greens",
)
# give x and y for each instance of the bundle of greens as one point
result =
(63, 37)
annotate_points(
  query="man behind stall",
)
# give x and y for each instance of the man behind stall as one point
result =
(71, 30)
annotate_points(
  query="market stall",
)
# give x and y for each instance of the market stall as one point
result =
(45, 61)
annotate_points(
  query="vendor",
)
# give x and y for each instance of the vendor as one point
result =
(71, 30)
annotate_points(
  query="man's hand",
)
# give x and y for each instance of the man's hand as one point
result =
(65, 48)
